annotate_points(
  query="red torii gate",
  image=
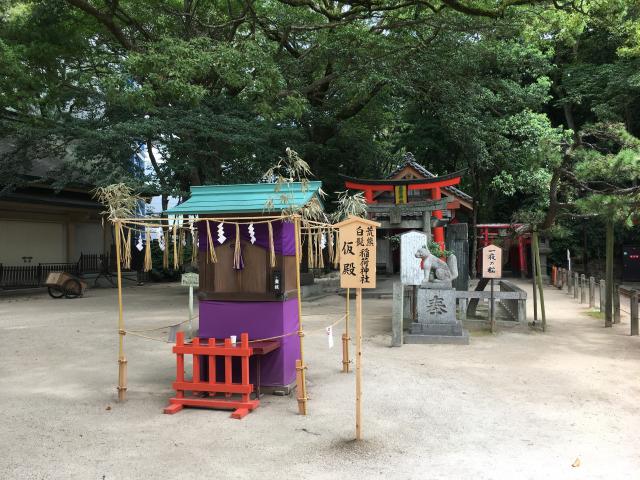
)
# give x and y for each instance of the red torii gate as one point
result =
(434, 185)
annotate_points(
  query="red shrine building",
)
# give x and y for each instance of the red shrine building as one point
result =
(411, 198)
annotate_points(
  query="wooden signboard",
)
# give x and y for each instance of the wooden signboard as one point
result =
(492, 262)
(357, 252)
(357, 244)
(492, 268)
(190, 280)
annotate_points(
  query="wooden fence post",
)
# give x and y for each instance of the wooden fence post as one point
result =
(592, 292)
(569, 282)
(603, 295)
(616, 304)
(634, 312)
(583, 290)
(576, 285)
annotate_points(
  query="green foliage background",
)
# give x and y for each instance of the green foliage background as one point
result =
(540, 101)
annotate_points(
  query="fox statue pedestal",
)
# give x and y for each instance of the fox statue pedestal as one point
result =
(437, 322)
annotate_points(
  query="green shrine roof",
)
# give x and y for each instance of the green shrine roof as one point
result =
(246, 198)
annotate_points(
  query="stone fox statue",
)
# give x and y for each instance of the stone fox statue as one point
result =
(442, 272)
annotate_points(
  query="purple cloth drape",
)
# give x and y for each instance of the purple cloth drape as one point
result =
(284, 241)
(219, 319)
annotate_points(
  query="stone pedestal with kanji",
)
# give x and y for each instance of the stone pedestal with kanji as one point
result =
(437, 322)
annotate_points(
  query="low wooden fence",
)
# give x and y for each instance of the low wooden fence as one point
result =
(32, 276)
(586, 289)
(511, 297)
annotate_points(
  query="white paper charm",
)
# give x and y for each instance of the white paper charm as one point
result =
(139, 245)
(323, 241)
(252, 234)
(161, 244)
(221, 237)
(330, 336)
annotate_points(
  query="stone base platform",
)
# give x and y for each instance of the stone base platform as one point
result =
(438, 339)
(438, 333)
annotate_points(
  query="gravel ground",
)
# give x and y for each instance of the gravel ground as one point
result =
(515, 405)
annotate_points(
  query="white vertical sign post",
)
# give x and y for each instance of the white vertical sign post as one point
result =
(358, 270)
(190, 280)
(492, 269)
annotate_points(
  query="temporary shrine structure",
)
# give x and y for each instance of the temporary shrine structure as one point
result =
(250, 246)
(251, 287)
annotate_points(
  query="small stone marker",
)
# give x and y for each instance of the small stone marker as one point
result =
(410, 271)
(397, 314)
(188, 280)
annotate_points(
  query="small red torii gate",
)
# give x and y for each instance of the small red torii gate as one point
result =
(434, 185)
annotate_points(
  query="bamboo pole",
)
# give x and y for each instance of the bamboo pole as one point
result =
(345, 339)
(300, 367)
(358, 363)
(534, 238)
(122, 360)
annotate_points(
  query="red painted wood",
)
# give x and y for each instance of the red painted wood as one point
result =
(173, 408)
(240, 413)
(212, 363)
(232, 391)
(438, 232)
(213, 387)
(215, 403)
(196, 362)
(229, 350)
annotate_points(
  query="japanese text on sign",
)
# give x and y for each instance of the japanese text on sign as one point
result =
(357, 253)
(491, 262)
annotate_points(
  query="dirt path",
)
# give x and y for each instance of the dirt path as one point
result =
(516, 405)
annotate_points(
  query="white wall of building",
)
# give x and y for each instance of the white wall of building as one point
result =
(44, 241)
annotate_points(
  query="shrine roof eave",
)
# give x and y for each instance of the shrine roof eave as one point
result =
(442, 180)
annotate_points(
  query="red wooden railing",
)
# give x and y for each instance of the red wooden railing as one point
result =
(235, 395)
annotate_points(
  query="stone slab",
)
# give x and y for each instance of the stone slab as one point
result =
(436, 305)
(410, 271)
(438, 339)
(397, 316)
(449, 329)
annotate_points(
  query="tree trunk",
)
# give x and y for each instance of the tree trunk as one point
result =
(536, 248)
(474, 235)
(608, 310)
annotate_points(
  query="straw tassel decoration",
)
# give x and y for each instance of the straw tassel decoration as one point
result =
(336, 257)
(175, 246)
(194, 248)
(126, 259)
(211, 249)
(148, 264)
(181, 240)
(272, 250)
(237, 254)
(310, 259)
(320, 256)
(165, 252)
(330, 245)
